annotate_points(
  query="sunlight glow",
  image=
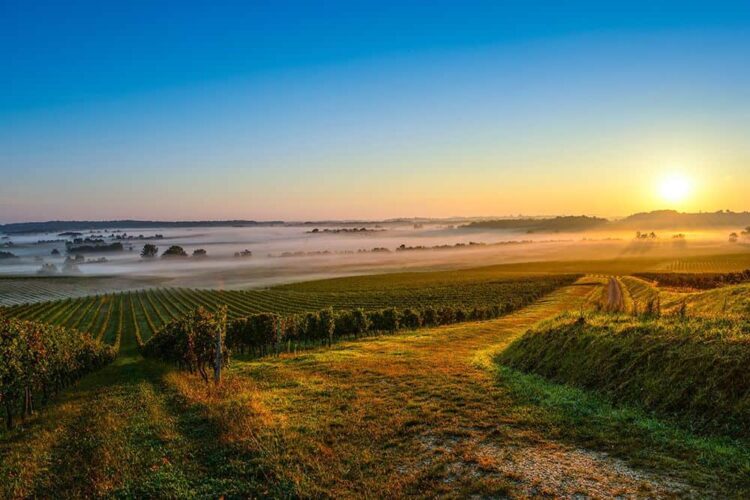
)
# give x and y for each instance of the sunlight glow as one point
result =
(675, 188)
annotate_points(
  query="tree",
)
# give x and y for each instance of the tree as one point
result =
(199, 252)
(47, 269)
(55, 251)
(733, 237)
(174, 251)
(70, 266)
(149, 251)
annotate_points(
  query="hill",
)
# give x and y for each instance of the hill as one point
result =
(554, 224)
(692, 370)
(671, 219)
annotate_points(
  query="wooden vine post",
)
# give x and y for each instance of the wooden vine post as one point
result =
(220, 332)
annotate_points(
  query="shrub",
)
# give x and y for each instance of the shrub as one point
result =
(190, 342)
(410, 319)
(326, 325)
(38, 360)
(429, 316)
(390, 319)
(360, 322)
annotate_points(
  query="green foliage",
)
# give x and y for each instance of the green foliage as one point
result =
(174, 251)
(149, 250)
(190, 342)
(147, 311)
(96, 248)
(266, 333)
(38, 360)
(411, 319)
(691, 370)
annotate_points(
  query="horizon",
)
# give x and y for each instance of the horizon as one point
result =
(372, 111)
(613, 218)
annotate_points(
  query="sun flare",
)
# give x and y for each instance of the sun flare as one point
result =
(675, 188)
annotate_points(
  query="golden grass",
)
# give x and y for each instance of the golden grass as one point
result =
(423, 413)
(413, 414)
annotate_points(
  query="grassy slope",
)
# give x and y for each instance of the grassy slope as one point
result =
(731, 301)
(124, 431)
(693, 370)
(418, 413)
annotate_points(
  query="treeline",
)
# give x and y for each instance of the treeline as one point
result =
(38, 360)
(698, 281)
(190, 342)
(112, 247)
(554, 224)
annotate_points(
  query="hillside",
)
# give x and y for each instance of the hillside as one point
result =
(555, 224)
(671, 219)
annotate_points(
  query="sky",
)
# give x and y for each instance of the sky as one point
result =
(367, 110)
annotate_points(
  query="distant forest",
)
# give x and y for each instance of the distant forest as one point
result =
(566, 223)
(60, 225)
(646, 221)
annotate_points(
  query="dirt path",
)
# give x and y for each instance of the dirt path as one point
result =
(420, 414)
(615, 299)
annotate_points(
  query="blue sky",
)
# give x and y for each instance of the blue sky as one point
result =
(298, 110)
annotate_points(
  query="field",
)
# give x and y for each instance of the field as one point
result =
(428, 412)
(732, 300)
(26, 290)
(139, 314)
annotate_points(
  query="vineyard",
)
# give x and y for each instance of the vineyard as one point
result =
(697, 281)
(139, 314)
(707, 264)
(39, 360)
(17, 290)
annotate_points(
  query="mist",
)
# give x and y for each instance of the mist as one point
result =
(288, 253)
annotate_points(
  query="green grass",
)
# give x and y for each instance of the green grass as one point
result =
(692, 370)
(628, 432)
(728, 301)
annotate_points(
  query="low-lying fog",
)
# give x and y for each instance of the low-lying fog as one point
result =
(347, 252)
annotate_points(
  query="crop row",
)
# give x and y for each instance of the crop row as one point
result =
(138, 314)
(38, 360)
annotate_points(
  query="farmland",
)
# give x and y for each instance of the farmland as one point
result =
(139, 314)
(25, 290)
(459, 423)
(427, 431)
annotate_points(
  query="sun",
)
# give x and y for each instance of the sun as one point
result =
(675, 188)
